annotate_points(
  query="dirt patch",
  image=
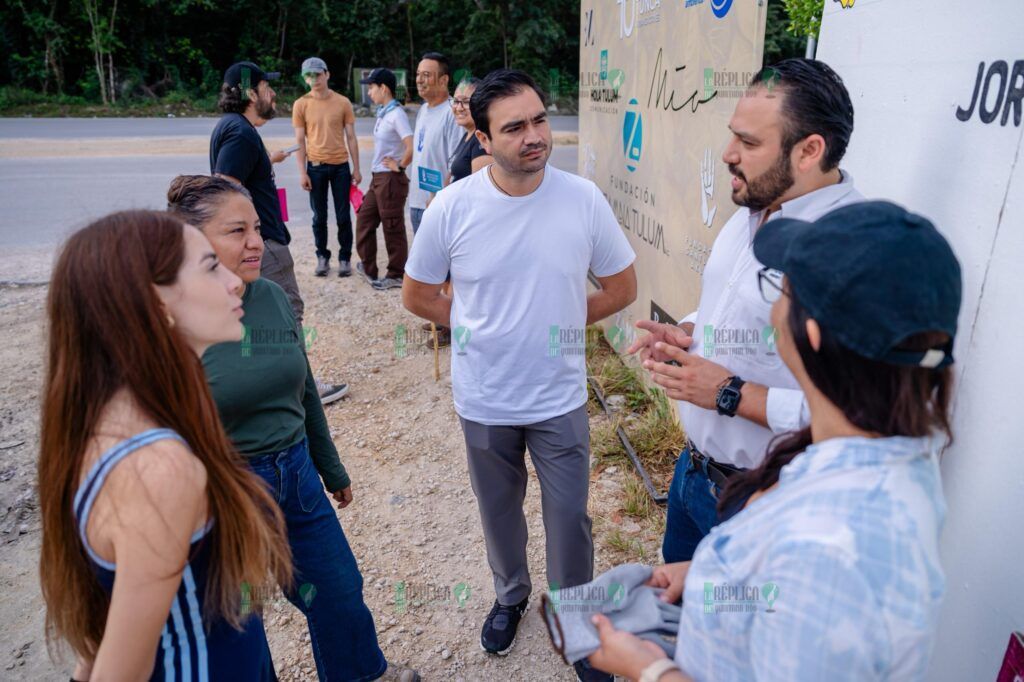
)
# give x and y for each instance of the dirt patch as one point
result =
(413, 526)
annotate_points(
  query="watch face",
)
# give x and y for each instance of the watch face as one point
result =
(729, 400)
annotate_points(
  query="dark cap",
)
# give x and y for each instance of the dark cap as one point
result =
(237, 74)
(872, 274)
(382, 77)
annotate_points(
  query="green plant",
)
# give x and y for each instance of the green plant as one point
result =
(804, 17)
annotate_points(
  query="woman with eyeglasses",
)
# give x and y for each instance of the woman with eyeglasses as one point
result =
(826, 565)
(469, 156)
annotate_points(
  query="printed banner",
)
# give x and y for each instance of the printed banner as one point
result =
(658, 85)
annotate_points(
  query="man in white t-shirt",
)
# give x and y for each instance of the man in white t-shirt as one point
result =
(519, 238)
(436, 136)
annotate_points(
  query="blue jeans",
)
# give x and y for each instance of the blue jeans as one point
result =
(339, 178)
(691, 510)
(328, 587)
(416, 215)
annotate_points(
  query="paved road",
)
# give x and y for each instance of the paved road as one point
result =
(43, 199)
(70, 128)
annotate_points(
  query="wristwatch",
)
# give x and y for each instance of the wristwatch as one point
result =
(728, 399)
(654, 671)
(401, 169)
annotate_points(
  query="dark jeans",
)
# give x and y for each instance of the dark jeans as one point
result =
(416, 216)
(328, 587)
(691, 510)
(338, 176)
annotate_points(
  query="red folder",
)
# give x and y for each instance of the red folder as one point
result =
(355, 197)
(282, 198)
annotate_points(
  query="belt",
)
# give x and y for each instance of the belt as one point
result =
(718, 473)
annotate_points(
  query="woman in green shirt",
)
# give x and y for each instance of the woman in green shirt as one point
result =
(268, 402)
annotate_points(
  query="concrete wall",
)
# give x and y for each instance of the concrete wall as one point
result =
(911, 66)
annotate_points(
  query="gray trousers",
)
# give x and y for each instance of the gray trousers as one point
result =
(277, 266)
(560, 449)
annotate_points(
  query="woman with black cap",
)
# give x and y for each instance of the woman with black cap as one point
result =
(829, 567)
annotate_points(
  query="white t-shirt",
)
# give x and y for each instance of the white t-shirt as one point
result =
(388, 132)
(437, 135)
(519, 276)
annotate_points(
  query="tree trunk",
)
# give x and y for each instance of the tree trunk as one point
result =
(503, 16)
(348, 72)
(110, 52)
(284, 32)
(110, 75)
(92, 12)
(412, 47)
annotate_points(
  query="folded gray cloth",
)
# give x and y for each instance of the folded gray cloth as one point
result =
(619, 594)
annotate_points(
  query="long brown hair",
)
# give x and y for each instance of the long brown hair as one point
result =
(890, 400)
(107, 331)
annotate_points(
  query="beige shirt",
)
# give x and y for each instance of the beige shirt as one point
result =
(324, 121)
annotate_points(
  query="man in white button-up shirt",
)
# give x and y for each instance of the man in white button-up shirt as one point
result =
(789, 133)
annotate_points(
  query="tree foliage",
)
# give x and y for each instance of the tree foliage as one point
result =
(116, 51)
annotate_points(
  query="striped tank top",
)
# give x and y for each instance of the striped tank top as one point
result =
(189, 650)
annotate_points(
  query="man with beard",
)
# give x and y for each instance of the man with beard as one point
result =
(237, 153)
(519, 237)
(789, 133)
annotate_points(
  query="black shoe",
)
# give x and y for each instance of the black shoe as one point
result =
(499, 631)
(588, 673)
(321, 266)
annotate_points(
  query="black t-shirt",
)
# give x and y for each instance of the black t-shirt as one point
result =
(462, 160)
(236, 149)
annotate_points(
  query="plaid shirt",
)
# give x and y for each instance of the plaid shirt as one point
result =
(833, 575)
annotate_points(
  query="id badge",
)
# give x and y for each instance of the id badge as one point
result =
(430, 180)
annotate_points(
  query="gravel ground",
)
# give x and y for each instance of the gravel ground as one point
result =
(413, 520)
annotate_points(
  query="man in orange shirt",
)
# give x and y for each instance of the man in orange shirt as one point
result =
(325, 132)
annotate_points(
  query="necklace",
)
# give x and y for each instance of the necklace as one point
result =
(500, 188)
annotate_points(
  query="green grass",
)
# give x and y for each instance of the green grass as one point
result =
(630, 547)
(648, 418)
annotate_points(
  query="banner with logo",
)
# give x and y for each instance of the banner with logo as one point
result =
(938, 93)
(658, 84)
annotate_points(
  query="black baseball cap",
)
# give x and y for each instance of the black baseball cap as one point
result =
(872, 274)
(236, 75)
(382, 77)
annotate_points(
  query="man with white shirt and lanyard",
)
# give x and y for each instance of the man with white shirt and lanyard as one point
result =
(437, 135)
(789, 133)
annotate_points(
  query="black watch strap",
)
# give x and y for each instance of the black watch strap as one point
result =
(727, 400)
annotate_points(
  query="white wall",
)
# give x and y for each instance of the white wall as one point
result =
(909, 64)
